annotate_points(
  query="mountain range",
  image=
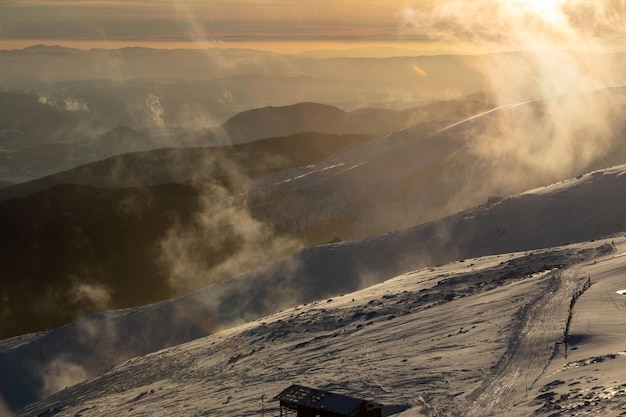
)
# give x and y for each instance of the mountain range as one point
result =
(191, 232)
(56, 141)
(93, 237)
(517, 240)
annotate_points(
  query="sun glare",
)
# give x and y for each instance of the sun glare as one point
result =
(550, 11)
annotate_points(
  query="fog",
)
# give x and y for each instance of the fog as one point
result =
(545, 106)
(567, 56)
(221, 240)
(556, 116)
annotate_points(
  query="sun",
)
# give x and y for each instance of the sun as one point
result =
(549, 11)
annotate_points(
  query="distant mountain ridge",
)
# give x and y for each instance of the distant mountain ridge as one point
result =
(108, 231)
(188, 231)
(271, 121)
(172, 165)
(427, 171)
(363, 188)
(35, 153)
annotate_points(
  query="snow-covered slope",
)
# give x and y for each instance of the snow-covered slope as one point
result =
(581, 209)
(433, 170)
(476, 338)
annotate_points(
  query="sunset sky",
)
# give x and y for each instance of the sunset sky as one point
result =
(134, 22)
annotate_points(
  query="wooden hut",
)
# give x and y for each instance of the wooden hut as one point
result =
(301, 401)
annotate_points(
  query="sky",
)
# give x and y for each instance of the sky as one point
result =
(180, 22)
(194, 20)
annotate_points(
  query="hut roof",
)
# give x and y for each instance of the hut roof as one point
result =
(297, 396)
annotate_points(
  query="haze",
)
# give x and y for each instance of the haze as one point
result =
(281, 24)
(173, 169)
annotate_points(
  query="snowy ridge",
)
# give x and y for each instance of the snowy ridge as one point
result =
(94, 344)
(459, 339)
(428, 171)
(562, 186)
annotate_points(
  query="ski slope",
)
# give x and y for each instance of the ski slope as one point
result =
(479, 337)
(578, 210)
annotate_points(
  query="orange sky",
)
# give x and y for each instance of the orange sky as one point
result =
(429, 24)
(220, 19)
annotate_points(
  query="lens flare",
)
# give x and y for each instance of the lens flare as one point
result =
(419, 71)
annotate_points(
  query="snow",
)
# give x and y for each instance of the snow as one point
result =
(400, 180)
(563, 186)
(311, 171)
(494, 110)
(479, 337)
(459, 338)
(481, 333)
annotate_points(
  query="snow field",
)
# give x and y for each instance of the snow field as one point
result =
(437, 339)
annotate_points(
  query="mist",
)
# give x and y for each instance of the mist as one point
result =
(221, 240)
(168, 200)
(557, 116)
(59, 374)
(561, 78)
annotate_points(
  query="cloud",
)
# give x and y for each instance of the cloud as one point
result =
(200, 21)
(72, 104)
(95, 294)
(59, 374)
(518, 23)
(155, 111)
(221, 240)
(560, 114)
(66, 103)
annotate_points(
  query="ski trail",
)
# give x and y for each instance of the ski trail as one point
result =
(495, 109)
(541, 324)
